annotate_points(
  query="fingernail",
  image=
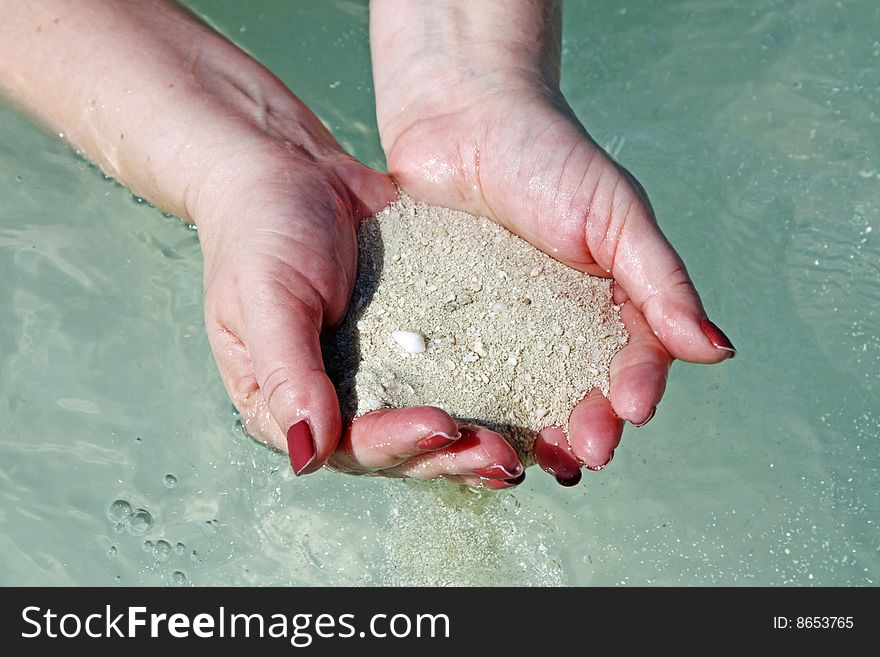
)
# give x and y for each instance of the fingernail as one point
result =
(647, 419)
(559, 462)
(437, 441)
(569, 479)
(300, 446)
(596, 468)
(717, 338)
(499, 472)
(500, 484)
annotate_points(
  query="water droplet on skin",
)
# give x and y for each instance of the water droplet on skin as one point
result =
(180, 548)
(170, 481)
(119, 511)
(111, 552)
(177, 578)
(162, 550)
(140, 522)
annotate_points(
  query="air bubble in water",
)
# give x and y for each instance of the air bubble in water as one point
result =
(177, 578)
(111, 552)
(119, 527)
(180, 548)
(170, 481)
(147, 546)
(162, 550)
(119, 511)
(140, 522)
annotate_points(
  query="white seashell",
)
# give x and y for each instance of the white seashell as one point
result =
(410, 341)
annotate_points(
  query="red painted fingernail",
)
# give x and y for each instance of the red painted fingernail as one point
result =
(647, 419)
(300, 446)
(717, 338)
(501, 484)
(499, 472)
(572, 480)
(596, 468)
(437, 441)
(559, 462)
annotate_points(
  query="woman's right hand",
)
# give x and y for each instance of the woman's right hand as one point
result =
(278, 233)
(195, 125)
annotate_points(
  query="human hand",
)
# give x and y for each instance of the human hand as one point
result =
(280, 249)
(210, 135)
(502, 143)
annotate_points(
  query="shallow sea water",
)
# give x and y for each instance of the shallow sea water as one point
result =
(755, 128)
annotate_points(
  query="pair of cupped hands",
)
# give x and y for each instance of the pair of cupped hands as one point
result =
(283, 267)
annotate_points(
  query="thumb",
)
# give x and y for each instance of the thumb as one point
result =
(289, 369)
(370, 190)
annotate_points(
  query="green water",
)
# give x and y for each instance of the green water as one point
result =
(755, 128)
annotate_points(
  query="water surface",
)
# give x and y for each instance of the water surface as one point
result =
(755, 128)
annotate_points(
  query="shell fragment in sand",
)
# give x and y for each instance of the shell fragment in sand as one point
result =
(410, 341)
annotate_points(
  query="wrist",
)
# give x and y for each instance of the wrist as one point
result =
(438, 57)
(164, 102)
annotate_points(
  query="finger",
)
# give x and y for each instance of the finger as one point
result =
(594, 430)
(639, 370)
(481, 482)
(370, 190)
(592, 214)
(237, 372)
(623, 236)
(554, 455)
(289, 369)
(479, 452)
(389, 436)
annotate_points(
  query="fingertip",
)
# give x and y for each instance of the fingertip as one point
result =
(477, 482)
(647, 419)
(386, 437)
(597, 468)
(594, 431)
(479, 453)
(555, 457)
(718, 339)
(300, 446)
(316, 428)
(689, 336)
(636, 389)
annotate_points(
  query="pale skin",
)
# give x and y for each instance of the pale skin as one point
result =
(470, 116)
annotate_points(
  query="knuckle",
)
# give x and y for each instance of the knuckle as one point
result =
(277, 387)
